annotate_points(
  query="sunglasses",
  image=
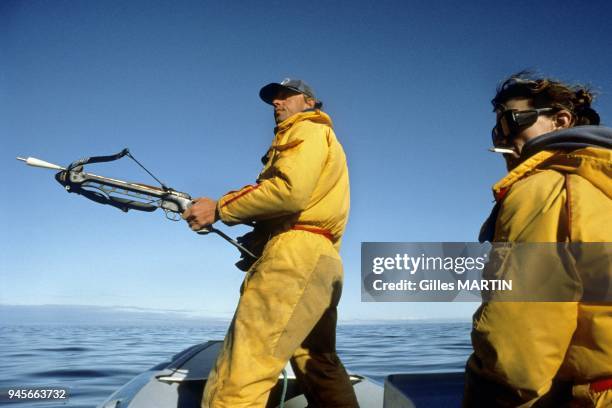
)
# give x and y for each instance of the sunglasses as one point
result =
(512, 121)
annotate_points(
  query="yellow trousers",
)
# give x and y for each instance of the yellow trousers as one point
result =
(287, 311)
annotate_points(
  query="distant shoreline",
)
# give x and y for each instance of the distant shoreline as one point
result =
(20, 315)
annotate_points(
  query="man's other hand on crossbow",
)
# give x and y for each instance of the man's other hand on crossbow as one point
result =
(201, 214)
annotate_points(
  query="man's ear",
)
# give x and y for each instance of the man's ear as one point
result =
(564, 119)
(310, 102)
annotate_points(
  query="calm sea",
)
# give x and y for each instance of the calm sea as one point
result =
(94, 361)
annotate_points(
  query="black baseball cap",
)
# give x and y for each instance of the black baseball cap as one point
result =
(268, 92)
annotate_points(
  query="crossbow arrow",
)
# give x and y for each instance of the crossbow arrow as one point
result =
(136, 196)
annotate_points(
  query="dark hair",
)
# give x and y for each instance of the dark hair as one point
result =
(548, 93)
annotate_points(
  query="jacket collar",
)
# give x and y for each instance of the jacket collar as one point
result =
(314, 115)
(527, 166)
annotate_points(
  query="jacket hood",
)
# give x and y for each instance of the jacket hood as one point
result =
(582, 150)
(569, 139)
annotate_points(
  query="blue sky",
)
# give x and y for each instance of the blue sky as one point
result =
(407, 84)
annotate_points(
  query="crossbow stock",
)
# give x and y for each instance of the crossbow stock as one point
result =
(125, 195)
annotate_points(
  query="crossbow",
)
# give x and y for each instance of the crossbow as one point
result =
(125, 195)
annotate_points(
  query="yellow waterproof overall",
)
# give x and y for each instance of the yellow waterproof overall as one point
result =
(287, 308)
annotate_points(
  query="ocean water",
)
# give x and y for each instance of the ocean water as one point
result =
(94, 361)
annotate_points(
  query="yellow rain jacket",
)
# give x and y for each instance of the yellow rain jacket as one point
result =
(526, 353)
(287, 308)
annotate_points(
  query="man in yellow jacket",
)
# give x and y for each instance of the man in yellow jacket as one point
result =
(558, 189)
(287, 310)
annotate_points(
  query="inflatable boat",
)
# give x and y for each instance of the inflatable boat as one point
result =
(180, 382)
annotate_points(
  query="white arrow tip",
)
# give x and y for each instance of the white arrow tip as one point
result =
(33, 161)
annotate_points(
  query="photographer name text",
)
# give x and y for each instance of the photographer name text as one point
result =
(428, 285)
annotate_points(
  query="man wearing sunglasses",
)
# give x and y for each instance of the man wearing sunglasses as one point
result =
(558, 189)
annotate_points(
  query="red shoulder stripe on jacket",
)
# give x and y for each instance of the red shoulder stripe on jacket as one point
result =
(237, 196)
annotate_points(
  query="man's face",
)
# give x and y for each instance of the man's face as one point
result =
(287, 103)
(544, 124)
